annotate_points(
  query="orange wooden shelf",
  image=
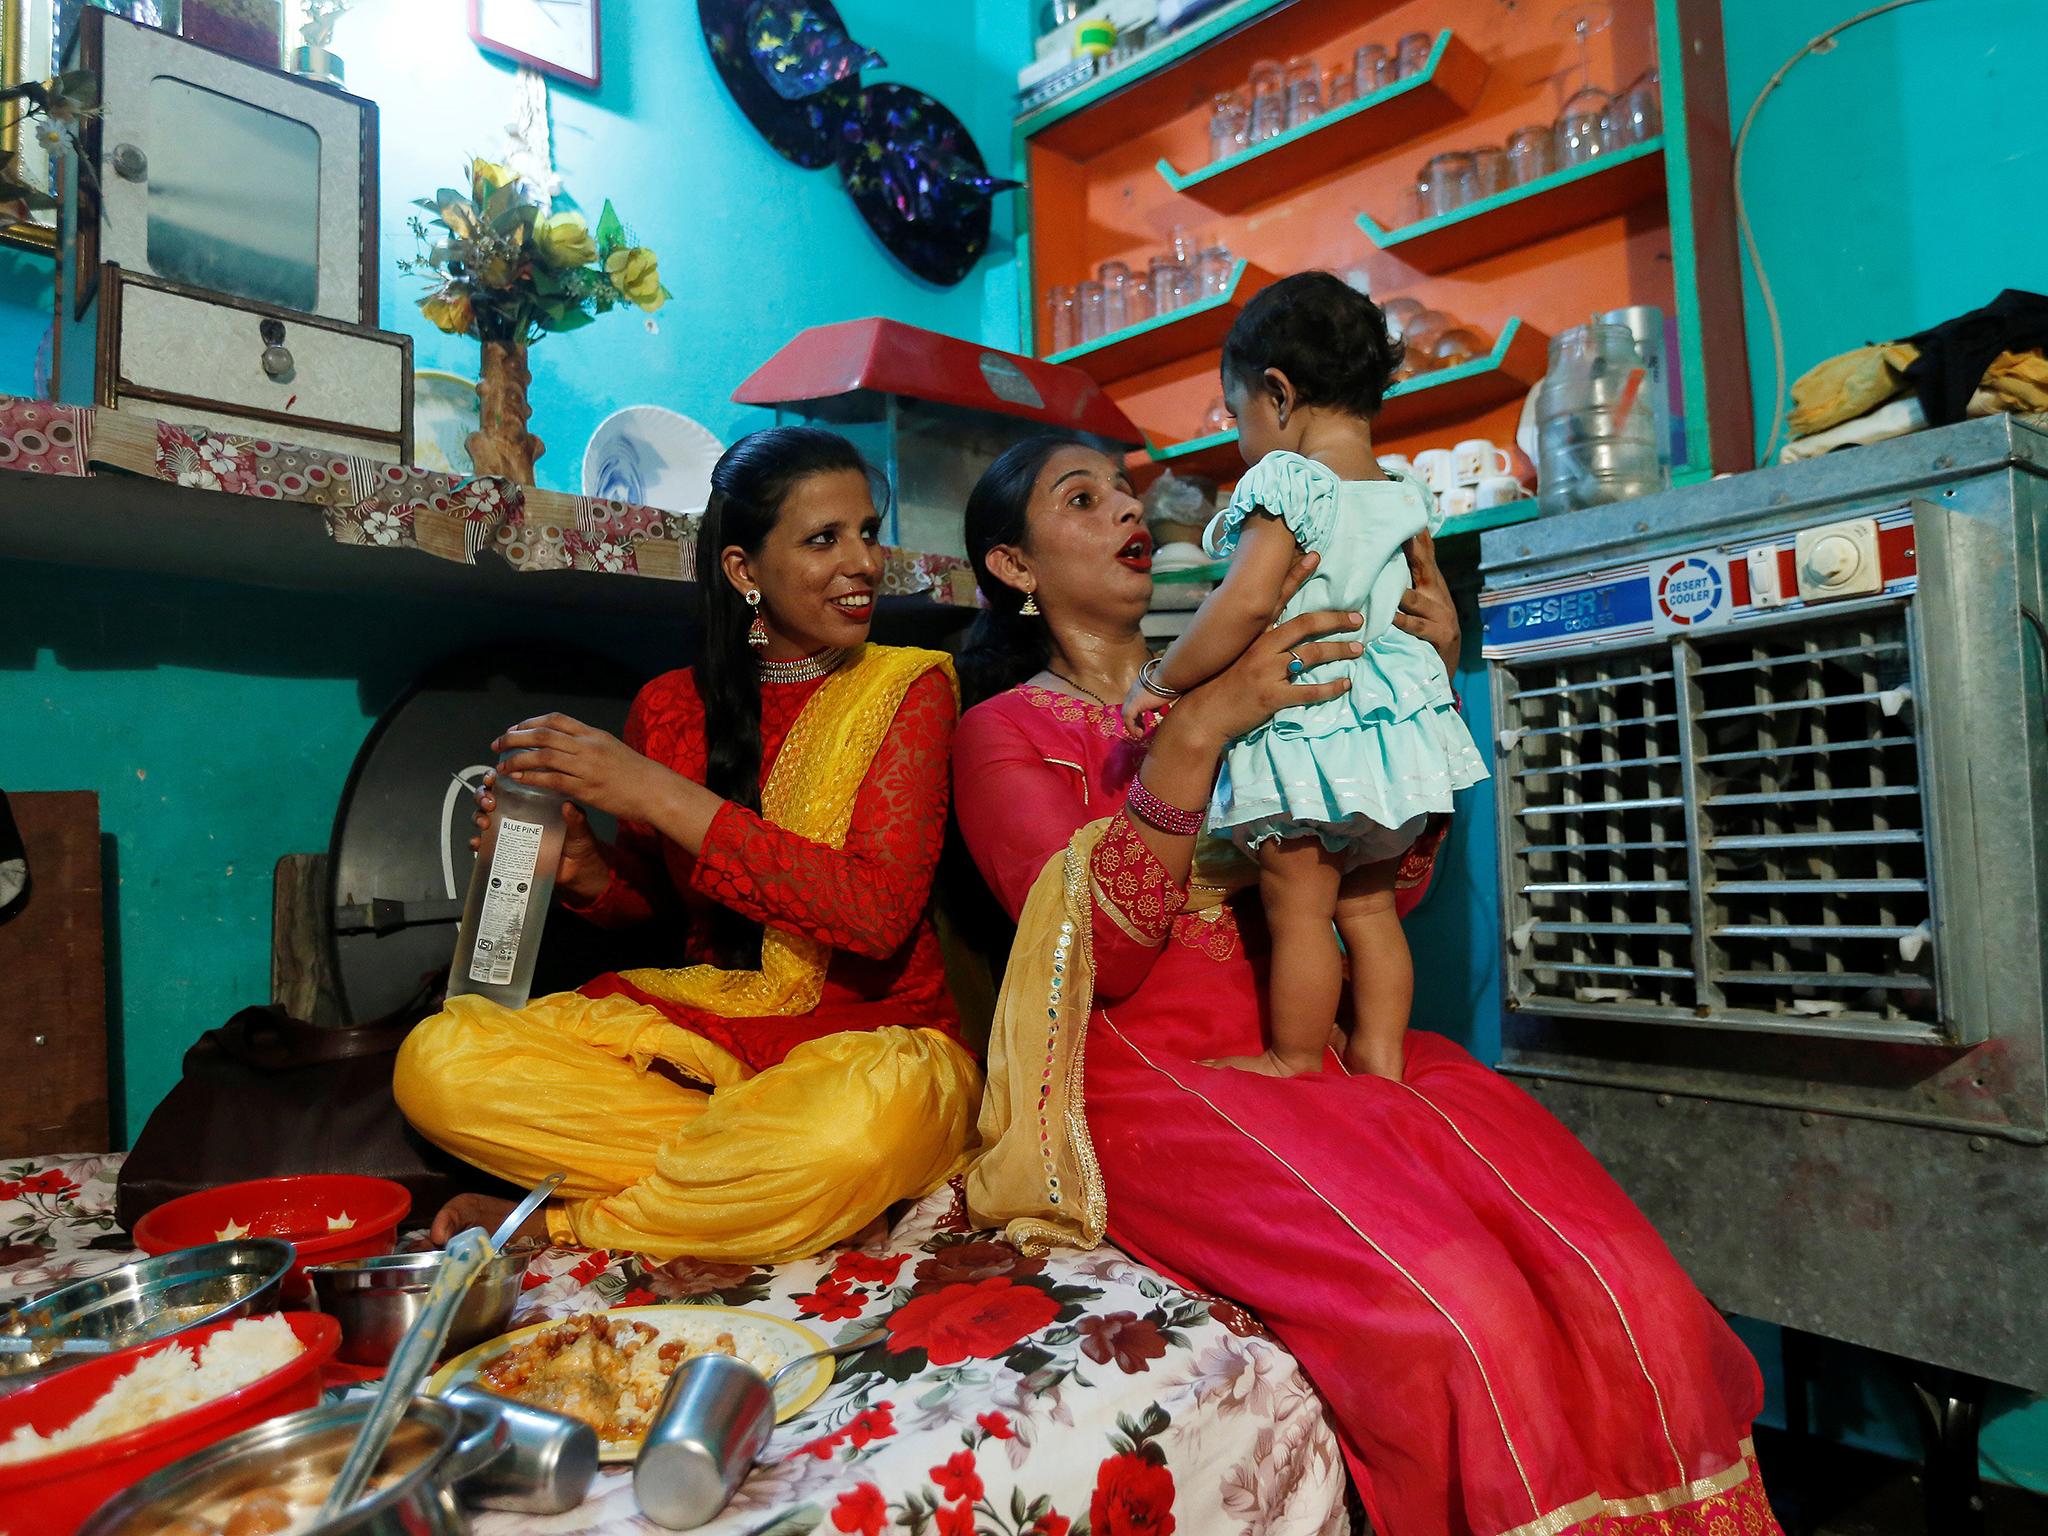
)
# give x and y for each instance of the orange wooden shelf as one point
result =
(1188, 332)
(1441, 93)
(1506, 373)
(1521, 216)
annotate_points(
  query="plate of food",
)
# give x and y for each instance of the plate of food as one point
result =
(609, 1368)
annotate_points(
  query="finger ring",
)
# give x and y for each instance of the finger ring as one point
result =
(1296, 666)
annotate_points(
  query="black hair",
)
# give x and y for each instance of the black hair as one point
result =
(1004, 646)
(749, 484)
(1328, 338)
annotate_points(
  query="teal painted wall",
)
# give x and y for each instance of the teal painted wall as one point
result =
(217, 723)
(1894, 181)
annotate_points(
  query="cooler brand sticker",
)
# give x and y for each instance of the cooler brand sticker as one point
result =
(1690, 592)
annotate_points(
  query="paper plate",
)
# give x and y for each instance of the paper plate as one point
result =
(444, 413)
(651, 457)
(796, 1392)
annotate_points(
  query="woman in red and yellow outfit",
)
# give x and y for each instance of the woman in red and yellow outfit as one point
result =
(781, 808)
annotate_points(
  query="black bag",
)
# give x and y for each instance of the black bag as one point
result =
(267, 1094)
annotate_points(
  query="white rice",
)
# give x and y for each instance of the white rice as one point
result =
(168, 1382)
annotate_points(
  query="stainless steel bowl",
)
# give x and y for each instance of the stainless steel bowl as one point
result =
(147, 1300)
(297, 1457)
(375, 1300)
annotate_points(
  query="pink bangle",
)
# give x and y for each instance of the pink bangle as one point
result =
(1158, 815)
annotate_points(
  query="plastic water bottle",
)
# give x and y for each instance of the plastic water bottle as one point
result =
(516, 862)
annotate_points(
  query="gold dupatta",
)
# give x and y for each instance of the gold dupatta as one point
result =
(810, 791)
(1035, 1175)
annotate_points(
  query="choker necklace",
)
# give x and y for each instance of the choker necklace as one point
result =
(805, 668)
(1078, 688)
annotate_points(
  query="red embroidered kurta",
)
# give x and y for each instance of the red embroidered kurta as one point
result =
(1506, 1346)
(869, 900)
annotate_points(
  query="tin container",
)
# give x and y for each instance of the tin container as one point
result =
(548, 1463)
(715, 1416)
(376, 1299)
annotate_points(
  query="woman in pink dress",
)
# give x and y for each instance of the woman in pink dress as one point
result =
(1506, 1346)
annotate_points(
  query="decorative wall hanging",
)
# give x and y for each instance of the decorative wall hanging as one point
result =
(507, 274)
(908, 163)
(559, 38)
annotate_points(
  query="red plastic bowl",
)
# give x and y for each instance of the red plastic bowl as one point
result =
(296, 1209)
(52, 1495)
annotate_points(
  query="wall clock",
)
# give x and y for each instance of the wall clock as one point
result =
(557, 37)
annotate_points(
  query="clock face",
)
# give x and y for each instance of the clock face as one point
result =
(558, 36)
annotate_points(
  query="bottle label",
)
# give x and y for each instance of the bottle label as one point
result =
(498, 926)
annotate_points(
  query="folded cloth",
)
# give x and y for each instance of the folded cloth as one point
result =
(1893, 420)
(1955, 354)
(2016, 383)
(1848, 386)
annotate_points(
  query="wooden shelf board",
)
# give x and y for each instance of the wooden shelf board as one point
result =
(1523, 511)
(1520, 216)
(1450, 394)
(129, 523)
(1506, 373)
(1188, 332)
(1442, 93)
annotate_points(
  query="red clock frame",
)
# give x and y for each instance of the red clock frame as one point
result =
(490, 44)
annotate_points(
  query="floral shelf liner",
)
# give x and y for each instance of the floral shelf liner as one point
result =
(395, 506)
(1076, 1395)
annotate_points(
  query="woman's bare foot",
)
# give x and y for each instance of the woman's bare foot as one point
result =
(1268, 1064)
(484, 1211)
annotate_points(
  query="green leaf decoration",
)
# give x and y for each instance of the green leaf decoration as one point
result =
(610, 231)
(573, 320)
(800, 1521)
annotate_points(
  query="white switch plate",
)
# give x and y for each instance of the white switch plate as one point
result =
(1764, 590)
(1839, 560)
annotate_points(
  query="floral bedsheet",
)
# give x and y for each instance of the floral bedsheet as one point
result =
(1074, 1395)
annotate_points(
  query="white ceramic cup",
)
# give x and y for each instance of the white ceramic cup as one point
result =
(1497, 490)
(1434, 466)
(1394, 462)
(1475, 459)
(1457, 501)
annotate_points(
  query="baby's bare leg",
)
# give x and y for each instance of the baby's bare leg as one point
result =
(1298, 882)
(1382, 971)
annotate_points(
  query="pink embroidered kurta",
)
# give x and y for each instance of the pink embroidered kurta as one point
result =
(1506, 1346)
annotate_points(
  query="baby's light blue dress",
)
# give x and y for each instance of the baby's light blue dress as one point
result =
(1363, 770)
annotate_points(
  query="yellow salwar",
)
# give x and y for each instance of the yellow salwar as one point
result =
(763, 1168)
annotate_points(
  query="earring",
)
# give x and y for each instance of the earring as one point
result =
(1029, 608)
(757, 632)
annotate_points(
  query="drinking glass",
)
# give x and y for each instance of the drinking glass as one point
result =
(1268, 118)
(1340, 89)
(1583, 130)
(1401, 313)
(1425, 331)
(1444, 184)
(1640, 116)
(1212, 270)
(1459, 344)
(1489, 170)
(1304, 91)
(1411, 54)
(1093, 305)
(1217, 418)
(1169, 284)
(1228, 119)
(1532, 154)
(1063, 321)
(1374, 67)
(1183, 246)
(1115, 278)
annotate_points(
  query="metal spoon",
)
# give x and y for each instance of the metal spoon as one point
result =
(857, 1342)
(524, 1209)
(468, 1252)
